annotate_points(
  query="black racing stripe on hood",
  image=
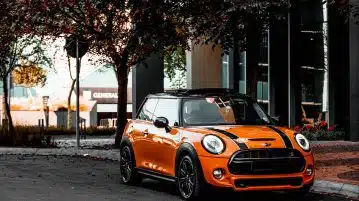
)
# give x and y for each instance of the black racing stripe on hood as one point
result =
(241, 145)
(285, 138)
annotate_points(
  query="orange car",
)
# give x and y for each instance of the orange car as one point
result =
(213, 137)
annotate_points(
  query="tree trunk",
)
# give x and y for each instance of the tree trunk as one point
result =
(69, 111)
(253, 34)
(7, 109)
(122, 81)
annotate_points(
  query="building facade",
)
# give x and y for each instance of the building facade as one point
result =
(106, 100)
(309, 66)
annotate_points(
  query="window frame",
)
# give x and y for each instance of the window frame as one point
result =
(141, 107)
(179, 106)
(180, 100)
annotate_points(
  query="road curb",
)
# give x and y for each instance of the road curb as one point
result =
(347, 190)
(100, 154)
(319, 186)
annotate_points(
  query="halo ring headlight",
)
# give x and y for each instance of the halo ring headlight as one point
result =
(302, 141)
(213, 144)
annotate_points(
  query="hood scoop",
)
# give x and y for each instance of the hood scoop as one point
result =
(261, 139)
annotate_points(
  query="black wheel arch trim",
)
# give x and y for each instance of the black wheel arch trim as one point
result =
(125, 141)
(190, 150)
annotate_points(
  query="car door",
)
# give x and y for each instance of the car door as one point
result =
(165, 143)
(143, 144)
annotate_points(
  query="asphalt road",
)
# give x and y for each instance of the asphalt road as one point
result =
(28, 178)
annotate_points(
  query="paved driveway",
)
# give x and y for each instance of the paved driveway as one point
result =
(68, 178)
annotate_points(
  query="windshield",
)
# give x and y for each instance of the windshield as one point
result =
(223, 111)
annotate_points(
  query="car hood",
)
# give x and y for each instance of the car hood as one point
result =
(253, 137)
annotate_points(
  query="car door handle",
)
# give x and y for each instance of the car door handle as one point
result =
(145, 132)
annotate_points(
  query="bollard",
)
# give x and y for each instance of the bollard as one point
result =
(85, 128)
(41, 127)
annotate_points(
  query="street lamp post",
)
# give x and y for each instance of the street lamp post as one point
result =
(45, 101)
(77, 94)
(77, 46)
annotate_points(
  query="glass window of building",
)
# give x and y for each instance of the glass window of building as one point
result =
(242, 71)
(263, 54)
(225, 71)
(312, 56)
(262, 83)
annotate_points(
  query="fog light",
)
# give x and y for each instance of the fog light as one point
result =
(309, 171)
(218, 173)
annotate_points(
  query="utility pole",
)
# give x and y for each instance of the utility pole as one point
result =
(77, 94)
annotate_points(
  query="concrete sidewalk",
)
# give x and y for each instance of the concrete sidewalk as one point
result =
(319, 186)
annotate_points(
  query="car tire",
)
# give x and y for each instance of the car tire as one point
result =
(190, 180)
(128, 167)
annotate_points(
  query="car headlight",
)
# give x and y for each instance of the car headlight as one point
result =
(302, 141)
(213, 144)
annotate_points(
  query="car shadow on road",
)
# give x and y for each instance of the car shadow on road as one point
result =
(159, 186)
(228, 194)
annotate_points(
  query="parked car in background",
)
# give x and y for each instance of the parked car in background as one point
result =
(213, 137)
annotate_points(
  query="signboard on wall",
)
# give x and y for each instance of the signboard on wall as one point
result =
(104, 95)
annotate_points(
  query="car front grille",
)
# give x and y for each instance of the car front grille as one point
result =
(266, 161)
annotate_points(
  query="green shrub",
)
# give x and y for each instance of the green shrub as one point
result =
(100, 131)
(93, 131)
(24, 136)
(324, 135)
(33, 136)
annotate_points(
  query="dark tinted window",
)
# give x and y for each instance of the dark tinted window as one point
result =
(148, 109)
(168, 108)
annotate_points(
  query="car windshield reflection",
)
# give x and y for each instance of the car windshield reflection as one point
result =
(215, 110)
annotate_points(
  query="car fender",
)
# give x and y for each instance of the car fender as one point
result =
(187, 149)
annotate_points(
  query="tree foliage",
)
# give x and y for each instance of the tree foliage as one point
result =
(29, 75)
(226, 21)
(347, 9)
(117, 30)
(16, 46)
(124, 33)
(175, 66)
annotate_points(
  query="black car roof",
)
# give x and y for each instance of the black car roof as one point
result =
(183, 93)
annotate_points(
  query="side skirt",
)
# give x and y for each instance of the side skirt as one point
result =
(155, 175)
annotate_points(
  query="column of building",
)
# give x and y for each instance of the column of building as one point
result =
(146, 78)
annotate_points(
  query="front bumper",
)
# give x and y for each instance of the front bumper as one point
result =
(270, 182)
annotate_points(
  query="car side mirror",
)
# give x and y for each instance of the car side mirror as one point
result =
(162, 122)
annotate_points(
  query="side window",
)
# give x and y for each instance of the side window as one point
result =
(147, 110)
(168, 108)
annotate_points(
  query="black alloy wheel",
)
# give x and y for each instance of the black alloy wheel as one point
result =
(127, 164)
(189, 179)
